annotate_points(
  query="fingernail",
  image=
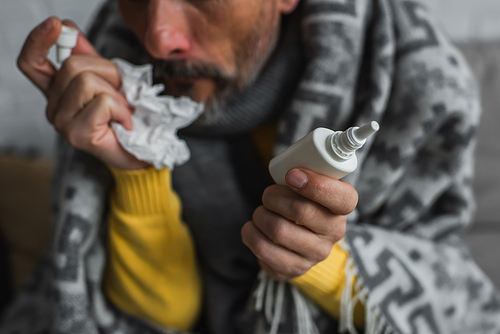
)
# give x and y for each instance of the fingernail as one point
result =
(296, 178)
(46, 26)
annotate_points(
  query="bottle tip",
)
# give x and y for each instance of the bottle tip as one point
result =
(68, 29)
(366, 130)
(66, 42)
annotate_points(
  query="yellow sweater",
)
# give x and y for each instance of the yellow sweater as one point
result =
(152, 273)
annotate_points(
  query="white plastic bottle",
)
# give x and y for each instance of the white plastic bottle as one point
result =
(325, 151)
(66, 42)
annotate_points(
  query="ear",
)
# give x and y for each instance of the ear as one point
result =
(287, 6)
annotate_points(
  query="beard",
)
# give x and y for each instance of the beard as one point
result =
(181, 71)
(251, 53)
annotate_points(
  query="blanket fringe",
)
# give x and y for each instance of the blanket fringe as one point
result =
(375, 323)
(270, 298)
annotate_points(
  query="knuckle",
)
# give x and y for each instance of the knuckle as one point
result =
(245, 234)
(104, 99)
(71, 67)
(354, 200)
(22, 64)
(302, 212)
(300, 269)
(323, 252)
(257, 214)
(84, 80)
(268, 194)
(265, 194)
(74, 139)
(349, 201)
(51, 109)
(296, 211)
(337, 228)
(59, 123)
(280, 231)
(249, 239)
(257, 245)
(341, 230)
(93, 143)
(259, 248)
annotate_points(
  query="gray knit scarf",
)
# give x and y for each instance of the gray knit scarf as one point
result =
(355, 61)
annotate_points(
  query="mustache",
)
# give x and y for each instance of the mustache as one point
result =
(184, 69)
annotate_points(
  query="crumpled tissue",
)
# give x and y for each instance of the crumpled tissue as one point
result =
(156, 118)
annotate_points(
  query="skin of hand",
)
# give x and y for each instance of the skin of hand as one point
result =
(298, 224)
(83, 97)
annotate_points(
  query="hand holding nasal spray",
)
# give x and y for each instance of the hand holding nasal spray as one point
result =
(331, 153)
(327, 152)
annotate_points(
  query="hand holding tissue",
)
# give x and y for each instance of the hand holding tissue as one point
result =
(89, 92)
(156, 119)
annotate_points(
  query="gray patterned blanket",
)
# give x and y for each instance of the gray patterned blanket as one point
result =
(355, 61)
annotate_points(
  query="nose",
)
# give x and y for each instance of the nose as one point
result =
(167, 31)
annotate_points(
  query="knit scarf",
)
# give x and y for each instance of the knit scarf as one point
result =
(355, 61)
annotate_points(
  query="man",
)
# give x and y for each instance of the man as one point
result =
(355, 61)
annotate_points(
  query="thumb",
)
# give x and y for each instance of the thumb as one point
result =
(32, 60)
(83, 46)
(339, 197)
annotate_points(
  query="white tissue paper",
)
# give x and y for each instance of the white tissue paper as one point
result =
(156, 119)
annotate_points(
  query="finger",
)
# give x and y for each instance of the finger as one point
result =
(282, 260)
(32, 60)
(90, 129)
(72, 68)
(292, 236)
(81, 91)
(338, 196)
(285, 202)
(83, 46)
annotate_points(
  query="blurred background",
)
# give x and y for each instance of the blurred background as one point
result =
(27, 141)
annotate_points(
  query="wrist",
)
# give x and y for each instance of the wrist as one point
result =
(141, 191)
(127, 162)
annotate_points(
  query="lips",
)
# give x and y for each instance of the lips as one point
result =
(200, 89)
(181, 86)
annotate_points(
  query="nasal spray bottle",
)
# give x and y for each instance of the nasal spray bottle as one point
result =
(66, 42)
(327, 152)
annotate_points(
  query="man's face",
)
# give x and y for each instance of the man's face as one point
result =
(206, 49)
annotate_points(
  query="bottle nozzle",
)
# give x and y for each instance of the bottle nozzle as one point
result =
(344, 144)
(366, 131)
(66, 42)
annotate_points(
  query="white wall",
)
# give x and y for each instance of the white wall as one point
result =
(470, 19)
